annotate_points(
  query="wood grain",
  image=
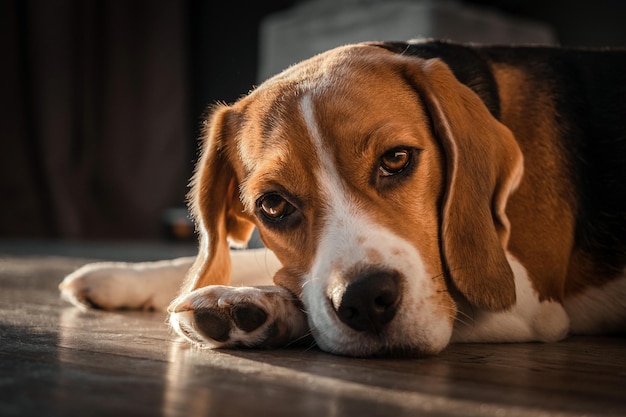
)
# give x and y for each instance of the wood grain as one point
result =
(56, 360)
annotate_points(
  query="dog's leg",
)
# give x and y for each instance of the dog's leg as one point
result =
(253, 267)
(220, 316)
(153, 285)
(117, 285)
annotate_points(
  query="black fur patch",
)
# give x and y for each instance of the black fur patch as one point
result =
(466, 64)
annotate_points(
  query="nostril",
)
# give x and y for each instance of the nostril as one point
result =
(348, 312)
(370, 301)
(385, 300)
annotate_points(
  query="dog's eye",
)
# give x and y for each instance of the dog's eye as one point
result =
(274, 207)
(394, 162)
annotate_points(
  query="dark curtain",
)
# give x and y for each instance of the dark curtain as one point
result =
(95, 138)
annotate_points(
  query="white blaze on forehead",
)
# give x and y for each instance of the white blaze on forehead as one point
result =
(328, 172)
(342, 216)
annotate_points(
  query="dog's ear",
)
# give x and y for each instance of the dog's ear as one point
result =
(215, 204)
(483, 167)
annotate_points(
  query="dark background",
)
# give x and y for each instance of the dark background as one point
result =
(102, 101)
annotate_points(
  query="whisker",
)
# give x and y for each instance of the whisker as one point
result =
(307, 335)
(465, 315)
(443, 274)
(312, 345)
(301, 338)
(459, 316)
(464, 322)
(306, 282)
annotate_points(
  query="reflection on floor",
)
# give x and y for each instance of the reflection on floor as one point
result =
(56, 360)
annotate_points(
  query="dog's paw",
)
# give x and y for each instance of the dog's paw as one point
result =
(221, 317)
(116, 285)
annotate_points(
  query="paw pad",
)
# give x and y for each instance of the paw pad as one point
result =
(217, 324)
(212, 324)
(248, 317)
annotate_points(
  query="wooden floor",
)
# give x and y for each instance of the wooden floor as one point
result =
(58, 361)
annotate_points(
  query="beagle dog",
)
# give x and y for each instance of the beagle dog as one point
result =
(410, 195)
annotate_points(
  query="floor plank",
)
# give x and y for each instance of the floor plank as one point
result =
(56, 360)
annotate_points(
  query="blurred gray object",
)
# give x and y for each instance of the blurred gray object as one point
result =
(314, 26)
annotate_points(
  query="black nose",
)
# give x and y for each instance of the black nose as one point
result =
(370, 301)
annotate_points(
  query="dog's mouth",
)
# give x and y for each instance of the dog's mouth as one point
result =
(381, 345)
(371, 346)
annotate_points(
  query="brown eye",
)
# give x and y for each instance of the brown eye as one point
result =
(394, 162)
(274, 207)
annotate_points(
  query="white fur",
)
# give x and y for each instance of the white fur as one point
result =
(348, 239)
(153, 285)
(529, 320)
(599, 309)
(113, 285)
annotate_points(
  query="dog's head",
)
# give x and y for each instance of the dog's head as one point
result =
(379, 181)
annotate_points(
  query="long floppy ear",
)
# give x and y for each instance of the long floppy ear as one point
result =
(215, 204)
(484, 166)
